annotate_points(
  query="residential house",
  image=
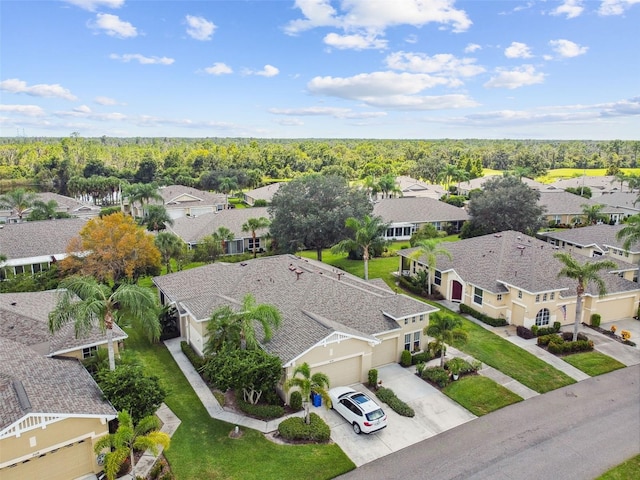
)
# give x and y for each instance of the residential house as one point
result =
(265, 193)
(193, 229)
(51, 410)
(406, 215)
(624, 201)
(410, 187)
(568, 209)
(181, 201)
(602, 185)
(67, 205)
(513, 276)
(478, 184)
(31, 247)
(339, 324)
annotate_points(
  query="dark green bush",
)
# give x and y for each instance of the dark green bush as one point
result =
(434, 349)
(437, 375)
(405, 358)
(550, 338)
(296, 401)
(556, 326)
(295, 428)
(389, 397)
(406, 283)
(421, 357)
(260, 203)
(595, 320)
(534, 330)
(461, 364)
(373, 378)
(260, 411)
(494, 322)
(524, 332)
(196, 360)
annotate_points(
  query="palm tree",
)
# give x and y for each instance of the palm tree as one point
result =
(157, 218)
(253, 224)
(18, 200)
(388, 186)
(372, 187)
(224, 235)
(170, 246)
(43, 210)
(593, 213)
(447, 175)
(146, 435)
(317, 383)
(143, 192)
(84, 302)
(521, 172)
(584, 273)
(223, 331)
(369, 234)
(226, 186)
(430, 249)
(631, 235)
(445, 327)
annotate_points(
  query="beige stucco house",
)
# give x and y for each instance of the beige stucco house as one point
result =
(567, 208)
(337, 323)
(51, 410)
(265, 193)
(181, 201)
(513, 276)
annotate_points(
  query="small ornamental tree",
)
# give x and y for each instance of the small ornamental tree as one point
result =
(307, 384)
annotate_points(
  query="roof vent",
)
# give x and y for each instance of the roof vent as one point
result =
(21, 393)
(339, 275)
(497, 235)
(13, 304)
(243, 264)
(298, 273)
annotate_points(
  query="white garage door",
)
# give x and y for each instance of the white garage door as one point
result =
(385, 352)
(62, 464)
(342, 372)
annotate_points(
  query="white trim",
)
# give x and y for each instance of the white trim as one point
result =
(33, 421)
(87, 345)
(340, 336)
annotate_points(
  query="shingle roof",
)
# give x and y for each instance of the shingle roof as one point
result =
(24, 318)
(317, 291)
(621, 199)
(480, 181)
(411, 187)
(511, 258)
(171, 193)
(265, 193)
(34, 239)
(565, 203)
(194, 229)
(418, 210)
(67, 204)
(54, 386)
(602, 236)
(607, 183)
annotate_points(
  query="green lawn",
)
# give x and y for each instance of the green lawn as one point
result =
(201, 448)
(593, 363)
(480, 395)
(625, 471)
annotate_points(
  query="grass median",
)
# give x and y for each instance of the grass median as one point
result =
(480, 395)
(593, 363)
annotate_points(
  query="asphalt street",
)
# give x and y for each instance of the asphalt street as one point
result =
(576, 432)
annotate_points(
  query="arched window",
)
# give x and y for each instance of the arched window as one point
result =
(542, 318)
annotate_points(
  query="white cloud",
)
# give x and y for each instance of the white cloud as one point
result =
(516, 78)
(570, 8)
(411, 39)
(105, 101)
(443, 63)
(267, 71)
(199, 28)
(82, 109)
(621, 108)
(517, 50)
(113, 26)
(219, 68)
(14, 85)
(86, 113)
(567, 48)
(26, 110)
(354, 42)
(93, 5)
(616, 7)
(325, 111)
(472, 47)
(141, 59)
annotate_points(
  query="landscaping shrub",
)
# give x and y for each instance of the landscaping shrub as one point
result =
(420, 366)
(260, 203)
(196, 360)
(494, 322)
(408, 285)
(556, 326)
(437, 375)
(405, 358)
(568, 336)
(296, 401)
(373, 378)
(295, 428)
(389, 397)
(434, 349)
(534, 330)
(524, 332)
(461, 365)
(421, 357)
(544, 340)
(260, 411)
(595, 320)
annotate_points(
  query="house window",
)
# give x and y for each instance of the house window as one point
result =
(499, 297)
(416, 340)
(557, 219)
(422, 317)
(437, 277)
(251, 243)
(407, 342)
(398, 231)
(407, 231)
(552, 295)
(477, 295)
(542, 318)
(519, 293)
(537, 298)
(406, 321)
(544, 297)
(89, 352)
(389, 232)
(413, 319)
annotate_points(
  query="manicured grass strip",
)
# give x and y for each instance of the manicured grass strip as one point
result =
(624, 471)
(593, 363)
(480, 395)
(201, 448)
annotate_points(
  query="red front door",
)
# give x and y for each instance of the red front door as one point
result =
(456, 291)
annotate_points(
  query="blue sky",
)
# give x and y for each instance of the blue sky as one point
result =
(418, 69)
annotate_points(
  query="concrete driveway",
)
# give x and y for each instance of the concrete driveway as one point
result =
(435, 413)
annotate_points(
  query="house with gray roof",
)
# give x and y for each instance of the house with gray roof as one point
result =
(568, 209)
(512, 276)
(624, 201)
(478, 183)
(264, 193)
(599, 185)
(181, 201)
(339, 324)
(193, 229)
(406, 215)
(68, 205)
(31, 247)
(410, 187)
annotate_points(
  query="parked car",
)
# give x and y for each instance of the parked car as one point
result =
(358, 409)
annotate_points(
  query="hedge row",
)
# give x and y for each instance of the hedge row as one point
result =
(196, 360)
(494, 322)
(260, 411)
(295, 428)
(562, 343)
(389, 397)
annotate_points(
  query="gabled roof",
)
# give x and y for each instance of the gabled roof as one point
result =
(24, 319)
(411, 187)
(265, 193)
(315, 300)
(565, 203)
(598, 184)
(417, 210)
(480, 181)
(42, 238)
(625, 200)
(194, 229)
(32, 384)
(600, 236)
(179, 195)
(492, 262)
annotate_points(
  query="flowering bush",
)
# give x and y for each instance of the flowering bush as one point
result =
(613, 328)
(625, 334)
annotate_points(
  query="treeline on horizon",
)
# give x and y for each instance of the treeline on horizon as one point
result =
(75, 165)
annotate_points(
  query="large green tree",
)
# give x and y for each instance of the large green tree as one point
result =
(584, 274)
(17, 200)
(311, 212)
(505, 204)
(142, 193)
(445, 327)
(368, 235)
(224, 235)
(83, 302)
(630, 234)
(252, 225)
(157, 218)
(169, 245)
(317, 383)
(428, 251)
(593, 213)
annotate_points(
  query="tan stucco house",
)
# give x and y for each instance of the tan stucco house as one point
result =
(181, 201)
(265, 193)
(339, 324)
(513, 276)
(567, 208)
